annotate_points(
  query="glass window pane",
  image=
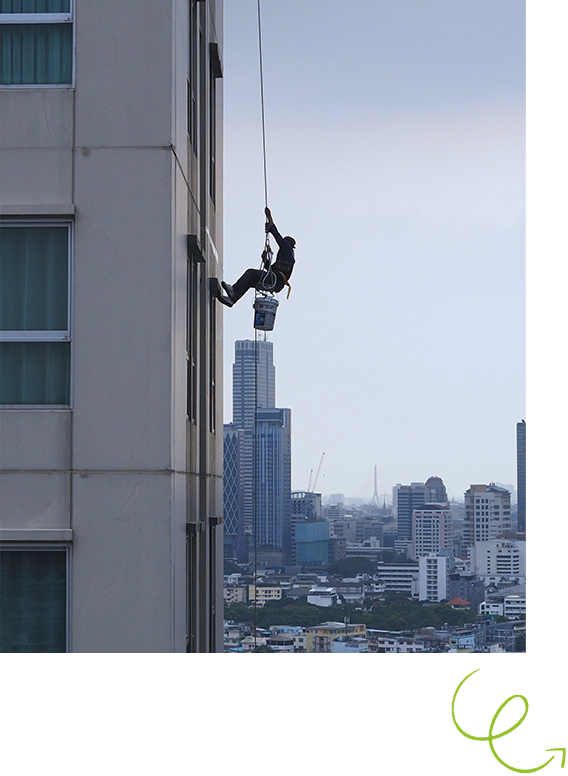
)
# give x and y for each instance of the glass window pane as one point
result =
(34, 372)
(36, 53)
(35, 6)
(33, 600)
(34, 278)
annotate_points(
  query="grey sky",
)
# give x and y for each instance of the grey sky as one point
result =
(395, 142)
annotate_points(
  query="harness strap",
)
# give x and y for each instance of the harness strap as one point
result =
(286, 283)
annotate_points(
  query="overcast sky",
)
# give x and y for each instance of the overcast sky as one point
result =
(395, 153)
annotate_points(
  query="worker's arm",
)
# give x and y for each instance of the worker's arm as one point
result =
(270, 226)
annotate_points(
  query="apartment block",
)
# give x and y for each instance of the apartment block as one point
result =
(110, 339)
(487, 513)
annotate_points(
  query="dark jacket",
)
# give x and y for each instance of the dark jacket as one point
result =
(285, 257)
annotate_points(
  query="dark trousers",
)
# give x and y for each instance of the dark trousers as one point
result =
(254, 278)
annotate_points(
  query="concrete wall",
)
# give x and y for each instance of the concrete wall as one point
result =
(121, 467)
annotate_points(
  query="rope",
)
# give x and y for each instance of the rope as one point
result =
(268, 249)
(262, 105)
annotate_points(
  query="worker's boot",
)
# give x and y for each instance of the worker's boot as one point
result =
(225, 300)
(229, 289)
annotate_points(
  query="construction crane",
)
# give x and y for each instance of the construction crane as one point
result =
(311, 488)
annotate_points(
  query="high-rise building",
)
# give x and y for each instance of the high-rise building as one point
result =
(406, 499)
(487, 513)
(432, 530)
(253, 362)
(272, 526)
(432, 577)
(264, 455)
(521, 476)
(110, 340)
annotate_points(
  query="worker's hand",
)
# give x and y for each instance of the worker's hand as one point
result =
(268, 215)
(267, 227)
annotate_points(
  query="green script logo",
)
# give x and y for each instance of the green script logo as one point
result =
(492, 736)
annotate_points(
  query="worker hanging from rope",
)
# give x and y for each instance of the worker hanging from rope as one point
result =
(272, 277)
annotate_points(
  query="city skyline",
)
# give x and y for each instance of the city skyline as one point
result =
(402, 342)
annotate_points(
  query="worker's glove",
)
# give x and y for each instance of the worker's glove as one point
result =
(267, 227)
(265, 259)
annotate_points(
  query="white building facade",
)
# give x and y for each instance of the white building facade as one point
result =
(432, 530)
(499, 560)
(432, 577)
(487, 513)
(111, 341)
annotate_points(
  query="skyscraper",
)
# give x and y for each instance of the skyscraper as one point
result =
(253, 360)
(273, 478)
(265, 450)
(522, 476)
(407, 498)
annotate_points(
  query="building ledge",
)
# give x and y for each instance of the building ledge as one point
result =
(60, 209)
(36, 534)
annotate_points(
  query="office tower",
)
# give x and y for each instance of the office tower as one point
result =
(432, 530)
(487, 513)
(407, 498)
(521, 476)
(252, 360)
(111, 219)
(305, 510)
(266, 510)
(272, 527)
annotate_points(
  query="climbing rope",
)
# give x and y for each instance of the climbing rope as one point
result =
(268, 250)
(269, 279)
(262, 105)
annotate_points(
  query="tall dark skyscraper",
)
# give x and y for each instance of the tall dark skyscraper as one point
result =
(252, 359)
(522, 476)
(407, 499)
(270, 438)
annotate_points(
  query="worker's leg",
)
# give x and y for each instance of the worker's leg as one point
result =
(248, 279)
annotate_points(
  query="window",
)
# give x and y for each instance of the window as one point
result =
(192, 78)
(34, 313)
(33, 599)
(36, 42)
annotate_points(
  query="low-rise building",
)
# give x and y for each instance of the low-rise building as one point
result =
(260, 593)
(399, 577)
(513, 601)
(395, 642)
(323, 596)
(505, 633)
(349, 645)
(319, 637)
(234, 594)
(463, 640)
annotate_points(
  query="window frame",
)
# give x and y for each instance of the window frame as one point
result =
(47, 335)
(44, 18)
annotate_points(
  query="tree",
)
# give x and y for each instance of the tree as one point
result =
(350, 567)
(521, 642)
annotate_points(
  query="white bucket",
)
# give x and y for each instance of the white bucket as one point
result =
(265, 312)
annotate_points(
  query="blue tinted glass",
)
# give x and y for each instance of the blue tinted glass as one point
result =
(35, 6)
(36, 54)
(34, 372)
(34, 278)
